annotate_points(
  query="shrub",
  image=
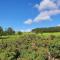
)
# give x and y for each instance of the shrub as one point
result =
(19, 33)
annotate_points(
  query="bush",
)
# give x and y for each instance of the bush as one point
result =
(19, 33)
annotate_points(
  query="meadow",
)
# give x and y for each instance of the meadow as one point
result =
(30, 46)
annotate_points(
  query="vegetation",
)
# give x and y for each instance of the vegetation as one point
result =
(45, 30)
(1, 31)
(29, 46)
(10, 31)
(19, 32)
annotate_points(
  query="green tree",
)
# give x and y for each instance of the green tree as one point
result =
(10, 31)
(1, 31)
(46, 30)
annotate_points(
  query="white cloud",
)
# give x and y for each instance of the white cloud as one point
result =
(46, 4)
(46, 15)
(42, 17)
(58, 3)
(54, 12)
(29, 21)
(46, 8)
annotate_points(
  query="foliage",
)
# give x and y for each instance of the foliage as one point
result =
(1, 31)
(10, 31)
(46, 30)
(29, 46)
(19, 32)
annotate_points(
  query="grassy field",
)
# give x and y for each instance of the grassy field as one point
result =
(30, 46)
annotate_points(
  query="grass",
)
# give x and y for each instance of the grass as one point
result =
(29, 46)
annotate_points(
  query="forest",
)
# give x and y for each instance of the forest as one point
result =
(46, 30)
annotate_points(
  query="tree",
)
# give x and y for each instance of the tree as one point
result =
(5, 33)
(46, 30)
(10, 31)
(1, 31)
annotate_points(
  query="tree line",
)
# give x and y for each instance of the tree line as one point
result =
(8, 31)
(46, 30)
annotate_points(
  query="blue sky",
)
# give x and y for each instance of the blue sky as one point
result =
(28, 14)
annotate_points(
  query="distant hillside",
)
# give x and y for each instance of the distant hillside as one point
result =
(49, 29)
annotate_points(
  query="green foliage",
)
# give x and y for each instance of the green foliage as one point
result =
(46, 30)
(19, 33)
(29, 46)
(1, 31)
(55, 49)
(10, 31)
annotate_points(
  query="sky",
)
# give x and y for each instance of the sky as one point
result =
(24, 15)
